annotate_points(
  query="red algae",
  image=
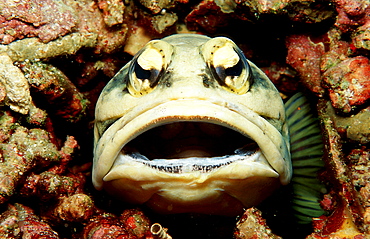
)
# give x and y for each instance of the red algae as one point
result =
(348, 83)
(305, 56)
(57, 56)
(45, 19)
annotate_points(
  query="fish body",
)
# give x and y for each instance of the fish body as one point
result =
(191, 125)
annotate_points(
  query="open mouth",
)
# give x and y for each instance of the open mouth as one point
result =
(175, 140)
(188, 146)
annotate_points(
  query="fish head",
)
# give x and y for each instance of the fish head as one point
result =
(191, 125)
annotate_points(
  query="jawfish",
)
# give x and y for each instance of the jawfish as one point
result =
(191, 125)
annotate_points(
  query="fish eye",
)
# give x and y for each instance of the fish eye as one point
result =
(228, 64)
(147, 66)
(146, 75)
(235, 70)
(140, 72)
(230, 74)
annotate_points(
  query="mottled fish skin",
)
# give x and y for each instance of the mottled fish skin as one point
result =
(206, 88)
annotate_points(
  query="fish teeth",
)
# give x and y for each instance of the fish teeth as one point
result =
(191, 164)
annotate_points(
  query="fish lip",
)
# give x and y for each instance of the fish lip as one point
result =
(189, 164)
(233, 116)
(124, 162)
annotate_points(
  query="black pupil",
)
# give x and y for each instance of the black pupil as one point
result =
(235, 70)
(140, 72)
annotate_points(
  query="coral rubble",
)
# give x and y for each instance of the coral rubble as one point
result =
(56, 56)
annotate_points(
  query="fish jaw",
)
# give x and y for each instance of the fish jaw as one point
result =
(216, 197)
(223, 191)
(247, 122)
(137, 181)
